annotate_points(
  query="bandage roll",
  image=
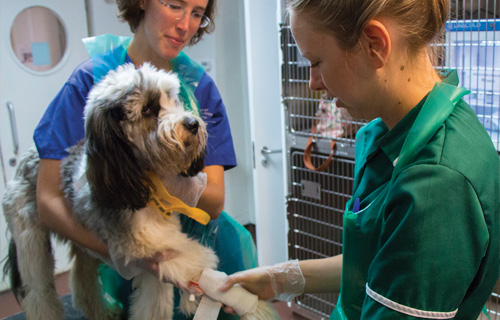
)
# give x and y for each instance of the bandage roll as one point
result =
(238, 298)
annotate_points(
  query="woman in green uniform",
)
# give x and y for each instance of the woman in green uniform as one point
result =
(421, 232)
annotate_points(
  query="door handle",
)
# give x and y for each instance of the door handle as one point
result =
(4, 172)
(15, 137)
(265, 152)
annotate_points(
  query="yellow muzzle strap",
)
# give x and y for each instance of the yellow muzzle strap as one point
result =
(165, 203)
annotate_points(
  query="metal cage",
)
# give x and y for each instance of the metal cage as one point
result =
(316, 200)
(472, 47)
(315, 209)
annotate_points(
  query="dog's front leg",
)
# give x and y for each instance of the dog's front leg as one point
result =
(152, 299)
(187, 267)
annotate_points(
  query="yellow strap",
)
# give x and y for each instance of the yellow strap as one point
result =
(166, 203)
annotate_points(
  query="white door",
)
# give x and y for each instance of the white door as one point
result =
(266, 126)
(40, 46)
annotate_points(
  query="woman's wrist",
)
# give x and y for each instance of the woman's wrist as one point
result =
(287, 280)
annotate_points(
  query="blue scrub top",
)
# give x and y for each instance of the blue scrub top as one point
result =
(62, 125)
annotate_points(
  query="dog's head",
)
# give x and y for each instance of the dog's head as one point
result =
(134, 123)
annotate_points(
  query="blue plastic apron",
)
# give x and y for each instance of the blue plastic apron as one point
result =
(367, 223)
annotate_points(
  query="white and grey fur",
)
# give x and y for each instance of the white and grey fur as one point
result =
(134, 124)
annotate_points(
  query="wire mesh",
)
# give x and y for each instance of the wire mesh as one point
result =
(472, 47)
(306, 107)
(315, 209)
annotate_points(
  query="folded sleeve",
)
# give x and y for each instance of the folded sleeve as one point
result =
(62, 124)
(220, 148)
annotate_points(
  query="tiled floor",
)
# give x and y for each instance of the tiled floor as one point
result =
(9, 306)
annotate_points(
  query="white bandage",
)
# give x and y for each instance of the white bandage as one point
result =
(239, 299)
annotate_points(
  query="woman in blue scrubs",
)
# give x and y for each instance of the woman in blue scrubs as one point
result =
(421, 232)
(162, 28)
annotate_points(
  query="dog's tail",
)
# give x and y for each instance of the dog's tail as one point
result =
(11, 270)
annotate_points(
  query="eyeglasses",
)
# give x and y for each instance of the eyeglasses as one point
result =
(178, 12)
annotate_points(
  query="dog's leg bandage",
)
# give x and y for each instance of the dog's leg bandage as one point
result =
(208, 309)
(237, 297)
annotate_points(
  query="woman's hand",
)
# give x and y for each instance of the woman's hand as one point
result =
(151, 264)
(257, 281)
(282, 281)
(213, 197)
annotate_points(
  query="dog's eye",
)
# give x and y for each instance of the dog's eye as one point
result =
(146, 110)
(152, 106)
(117, 113)
(151, 109)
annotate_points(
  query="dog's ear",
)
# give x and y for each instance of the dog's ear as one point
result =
(113, 172)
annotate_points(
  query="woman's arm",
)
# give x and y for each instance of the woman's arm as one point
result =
(322, 275)
(212, 199)
(55, 215)
(54, 212)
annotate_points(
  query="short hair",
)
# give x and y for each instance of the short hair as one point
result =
(131, 12)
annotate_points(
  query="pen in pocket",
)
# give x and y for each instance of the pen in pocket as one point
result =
(355, 207)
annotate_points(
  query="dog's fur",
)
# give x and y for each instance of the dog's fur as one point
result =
(134, 124)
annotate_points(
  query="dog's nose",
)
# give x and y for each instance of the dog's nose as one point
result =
(191, 125)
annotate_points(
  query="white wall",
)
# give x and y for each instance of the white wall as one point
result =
(102, 18)
(226, 49)
(234, 86)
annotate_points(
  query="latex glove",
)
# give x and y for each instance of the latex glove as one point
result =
(137, 266)
(187, 189)
(282, 281)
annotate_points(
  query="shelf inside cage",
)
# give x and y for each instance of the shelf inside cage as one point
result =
(343, 147)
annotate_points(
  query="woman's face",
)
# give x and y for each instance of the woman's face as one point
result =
(166, 35)
(332, 68)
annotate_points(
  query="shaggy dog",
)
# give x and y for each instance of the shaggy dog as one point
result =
(137, 132)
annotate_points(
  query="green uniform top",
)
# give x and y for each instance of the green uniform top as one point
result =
(425, 241)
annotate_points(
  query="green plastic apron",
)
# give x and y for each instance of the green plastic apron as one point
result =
(367, 223)
(108, 51)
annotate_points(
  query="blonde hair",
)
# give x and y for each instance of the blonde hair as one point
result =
(421, 22)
